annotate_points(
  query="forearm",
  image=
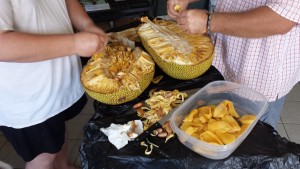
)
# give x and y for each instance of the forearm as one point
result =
(256, 23)
(79, 18)
(23, 47)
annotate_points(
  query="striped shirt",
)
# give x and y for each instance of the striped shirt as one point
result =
(269, 65)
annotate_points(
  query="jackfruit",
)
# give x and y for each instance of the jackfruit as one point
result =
(179, 54)
(118, 75)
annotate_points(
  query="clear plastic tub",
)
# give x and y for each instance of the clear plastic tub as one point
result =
(245, 100)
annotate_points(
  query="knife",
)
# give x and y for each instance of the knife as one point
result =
(153, 127)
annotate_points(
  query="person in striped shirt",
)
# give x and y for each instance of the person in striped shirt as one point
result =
(257, 44)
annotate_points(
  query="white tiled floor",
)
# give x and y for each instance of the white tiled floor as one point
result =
(288, 127)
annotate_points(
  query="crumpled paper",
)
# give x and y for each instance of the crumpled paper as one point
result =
(120, 134)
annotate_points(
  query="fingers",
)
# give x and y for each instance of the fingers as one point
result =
(182, 21)
(170, 8)
(87, 44)
(174, 7)
(102, 44)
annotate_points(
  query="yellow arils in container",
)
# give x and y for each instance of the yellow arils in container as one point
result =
(219, 128)
(118, 75)
(179, 54)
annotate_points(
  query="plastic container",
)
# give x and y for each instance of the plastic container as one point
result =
(245, 100)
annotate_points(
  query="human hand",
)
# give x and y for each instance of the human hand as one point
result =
(171, 7)
(87, 44)
(100, 33)
(194, 20)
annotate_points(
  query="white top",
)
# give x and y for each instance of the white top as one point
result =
(269, 65)
(30, 93)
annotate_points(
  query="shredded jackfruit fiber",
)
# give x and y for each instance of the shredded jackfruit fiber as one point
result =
(160, 103)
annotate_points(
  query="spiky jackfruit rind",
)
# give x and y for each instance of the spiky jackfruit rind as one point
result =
(124, 94)
(181, 72)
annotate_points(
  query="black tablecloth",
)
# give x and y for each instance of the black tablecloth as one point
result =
(263, 148)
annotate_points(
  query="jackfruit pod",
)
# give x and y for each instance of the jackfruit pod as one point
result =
(206, 111)
(230, 108)
(243, 128)
(209, 137)
(232, 122)
(219, 126)
(226, 138)
(220, 110)
(247, 119)
(191, 115)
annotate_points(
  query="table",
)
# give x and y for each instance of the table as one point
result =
(263, 148)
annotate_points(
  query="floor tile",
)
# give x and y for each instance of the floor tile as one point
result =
(8, 155)
(291, 112)
(294, 95)
(293, 132)
(78, 162)
(75, 126)
(2, 141)
(73, 149)
(280, 120)
(281, 131)
(88, 108)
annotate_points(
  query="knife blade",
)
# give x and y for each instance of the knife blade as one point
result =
(153, 127)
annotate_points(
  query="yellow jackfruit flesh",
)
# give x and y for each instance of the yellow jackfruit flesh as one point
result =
(232, 122)
(230, 108)
(226, 138)
(220, 110)
(210, 137)
(179, 54)
(219, 126)
(191, 115)
(247, 119)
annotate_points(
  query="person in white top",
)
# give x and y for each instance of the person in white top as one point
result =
(257, 43)
(40, 75)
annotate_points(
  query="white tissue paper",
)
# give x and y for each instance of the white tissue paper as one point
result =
(120, 134)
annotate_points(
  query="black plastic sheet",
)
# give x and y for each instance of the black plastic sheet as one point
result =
(262, 149)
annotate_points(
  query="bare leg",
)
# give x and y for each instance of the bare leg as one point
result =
(42, 161)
